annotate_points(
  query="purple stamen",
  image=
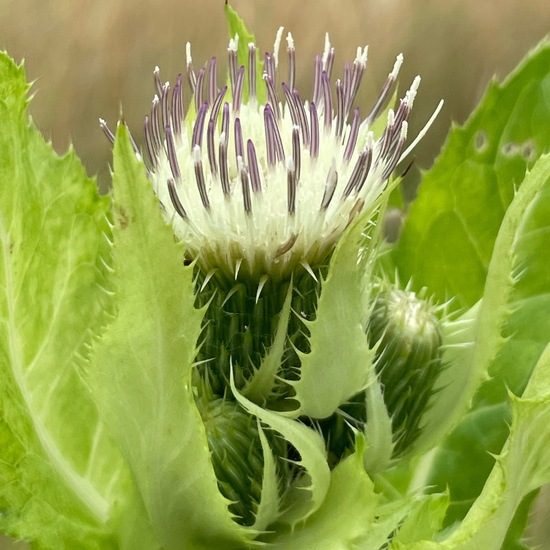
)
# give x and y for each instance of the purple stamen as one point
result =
(314, 125)
(358, 70)
(387, 136)
(224, 173)
(383, 98)
(245, 186)
(347, 83)
(165, 113)
(171, 153)
(366, 169)
(317, 79)
(210, 147)
(151, 151)
(330, 186)
(302, 117)
(155, 123)
(199, 126)
(353, 133)
(107, 131)
(291, 187)
(158, 82)
(402, 113)
(217, 104)
(395, 154)
(232, 68)
(252, 71)
(238, 90)
(355, 177)
(272, 95)
(296, 153)
(191, 75)
(199, 89)
(253, 166)
(290, 101)
(340, 108)
(269, 67)
(199, 176)
(178, 207)
(177, 104)
(327, 100)
(239, 147)
(212, 81)
(225, 120)
(291, 67)
(274, 143)
(329, 62)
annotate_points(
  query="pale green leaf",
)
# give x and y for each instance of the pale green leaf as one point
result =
(306, 498)
(269, 505)
(512, 330)
(378, 431)
(353, 515)
(457, 383)
(60, 475)
(523, 466)
(423, 523)
(142, 368)
(339, 363)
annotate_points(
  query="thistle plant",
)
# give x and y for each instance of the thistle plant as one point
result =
(225, 353)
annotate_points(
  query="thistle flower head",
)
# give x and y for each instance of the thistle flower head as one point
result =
(255, 188)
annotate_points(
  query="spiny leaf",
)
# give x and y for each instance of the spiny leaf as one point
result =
(142, 368)
(60, 474)
(463, 198)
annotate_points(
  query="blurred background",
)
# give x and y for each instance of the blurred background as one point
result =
(89, 59)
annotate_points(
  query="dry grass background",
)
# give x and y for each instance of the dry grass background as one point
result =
(89, 58)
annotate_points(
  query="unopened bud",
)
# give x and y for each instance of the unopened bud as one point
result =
(406, 332)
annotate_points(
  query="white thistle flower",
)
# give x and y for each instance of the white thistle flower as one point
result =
(255, 190)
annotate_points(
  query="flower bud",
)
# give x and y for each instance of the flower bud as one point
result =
(237, 456)
(406, 333)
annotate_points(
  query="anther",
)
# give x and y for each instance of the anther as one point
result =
(291, 61)
(232, 54)
(106, 130)
(210, 147)
(251, 71)
(158, 82)
(171, 153)
(198, 128)
(199, 176)
(314, 126)
(353, 133)
(291, 186)
(296, 154)
(245, 186)
(274, 143)
(239, 147)
(149, 145)
(224, 172)
(177, 104)
(199, 89)
(191, 76)
(238, 90)
(178, 207)
(253, 167)
(212, 82)
(330, 186)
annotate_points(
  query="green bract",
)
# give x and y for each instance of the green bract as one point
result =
(149, 401)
